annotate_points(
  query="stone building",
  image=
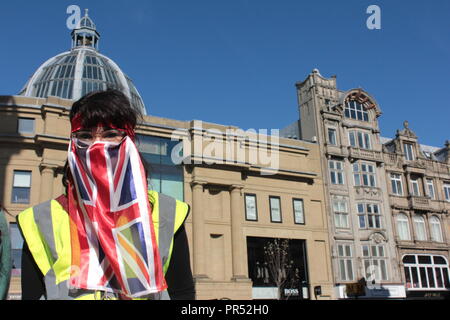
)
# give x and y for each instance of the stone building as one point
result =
(245, 188)
(345, 125)
(419, 196)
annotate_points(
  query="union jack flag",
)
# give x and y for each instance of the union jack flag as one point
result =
(114, 248)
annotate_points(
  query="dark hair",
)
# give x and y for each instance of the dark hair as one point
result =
(110, 106)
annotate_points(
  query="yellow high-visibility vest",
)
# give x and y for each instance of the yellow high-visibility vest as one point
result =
(46, 230)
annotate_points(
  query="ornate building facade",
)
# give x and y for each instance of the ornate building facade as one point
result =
(419, 196)
(387, 199)
(345, 125)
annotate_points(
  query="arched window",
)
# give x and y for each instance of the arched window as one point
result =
(356, 110)
(436, 231)
(424, 272)
(421, 232)
(403, 227)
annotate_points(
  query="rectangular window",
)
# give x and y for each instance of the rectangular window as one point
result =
(430, 186)
(345, 262)
(408, 150)
(375, 262)
(336, 172)
(396, 184)
(275, 209)
(251, 211)
(21, 187)
(332, 136)
(299, 214)
(359, 139)
(369, 216)
(415, 190)
(447, 191)
(25, 126)
(364, 175)
(340, 210)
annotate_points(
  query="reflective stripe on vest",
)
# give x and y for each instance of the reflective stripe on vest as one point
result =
(46, 230)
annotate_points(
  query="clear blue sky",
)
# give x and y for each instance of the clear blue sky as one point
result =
(235, 62)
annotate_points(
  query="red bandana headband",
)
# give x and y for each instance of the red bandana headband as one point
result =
(77, 125)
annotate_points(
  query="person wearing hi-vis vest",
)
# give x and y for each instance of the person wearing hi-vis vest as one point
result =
(107, 237)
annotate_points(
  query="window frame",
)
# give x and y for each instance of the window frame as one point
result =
(303, 211)
(24, 132)
(408, 150)
(421, 222)
(256, 206)
(271, 211)
(356, 108)
(360, 175)
(436, 269)
(434, 220)
(405, 220)
(345, 260)
(430, 189)
(336, 172)
(332, 139)
(397, 182)
(370, 258)
(30, 173)
(415, 187)
(361, 139)
(369, 217)
(339, 213)
(446, 188)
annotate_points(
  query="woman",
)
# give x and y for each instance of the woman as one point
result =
(106, 237)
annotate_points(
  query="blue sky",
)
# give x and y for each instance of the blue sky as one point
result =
(236, 62)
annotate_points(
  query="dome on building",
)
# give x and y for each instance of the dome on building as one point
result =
(72, 74)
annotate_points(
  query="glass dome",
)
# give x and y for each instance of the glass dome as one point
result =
(73, 74)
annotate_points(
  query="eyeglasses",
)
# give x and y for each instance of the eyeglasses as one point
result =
(88, 137)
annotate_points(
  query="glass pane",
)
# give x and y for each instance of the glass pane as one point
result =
(26, 125)
(348, 251)
(22, 179)
(439, 260)
(342, 269)
(431, 278)
(446, 278)
(408, 278)
(340, 178)
(423, 278)
(275, 209)
(374, 251)
(415, 278)
(298, 211)
(365, 251)
(340, 251)
(384, 274)
(424, 260)
(409, 259)
(20, 195)
(362, 222)
(250, 202)
(438, 274)
(349, 270)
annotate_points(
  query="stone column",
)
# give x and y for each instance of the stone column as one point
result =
(47, 181)
(237, 240)
(198, 230)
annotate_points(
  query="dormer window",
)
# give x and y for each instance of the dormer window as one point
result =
(408, 151)
(355, 110)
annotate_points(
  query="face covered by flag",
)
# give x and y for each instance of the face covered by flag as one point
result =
(113, 240)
